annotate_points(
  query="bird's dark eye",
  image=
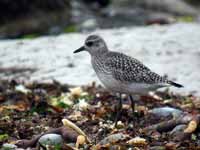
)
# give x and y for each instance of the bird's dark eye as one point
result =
(90, 43)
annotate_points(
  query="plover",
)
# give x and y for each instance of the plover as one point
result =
(120, 73)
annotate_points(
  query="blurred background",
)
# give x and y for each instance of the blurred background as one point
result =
(28, 19)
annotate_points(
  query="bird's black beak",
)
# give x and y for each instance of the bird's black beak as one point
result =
(82, 48)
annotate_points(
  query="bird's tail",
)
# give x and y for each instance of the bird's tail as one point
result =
(175, 84)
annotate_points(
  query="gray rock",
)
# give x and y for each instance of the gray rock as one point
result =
(166, 111)
(15, 24)
(173, 50)
(50, 140)
(177, 129)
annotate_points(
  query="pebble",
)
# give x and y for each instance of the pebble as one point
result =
(51, 140)
(137, 141)
(166, 111)
(114, 138)
(22, 88)
(8, 146)
(179, 128)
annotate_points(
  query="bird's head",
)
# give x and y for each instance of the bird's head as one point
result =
(94, 44)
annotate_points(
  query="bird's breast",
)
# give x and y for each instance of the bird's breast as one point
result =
(115, 85)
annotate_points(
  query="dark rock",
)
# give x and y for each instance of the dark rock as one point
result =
(23, 17)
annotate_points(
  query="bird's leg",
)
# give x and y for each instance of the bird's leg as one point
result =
(132, 104)
(135, 115)
(119, 109)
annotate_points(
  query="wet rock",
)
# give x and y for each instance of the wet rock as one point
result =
(50, 140)
(166, 111)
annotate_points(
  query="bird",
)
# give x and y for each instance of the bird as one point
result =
(121, 73)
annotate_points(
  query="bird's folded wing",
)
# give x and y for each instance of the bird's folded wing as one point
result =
(129, 70)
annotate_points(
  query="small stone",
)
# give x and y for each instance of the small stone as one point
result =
(186, 106)
(114, 138)
(80, 141)
(137, 141)
(167, 101)
(82, 105)
(177, 129)
(166, 111)
(142, 110)
(76, 115)
(187, 118)
(120, 125)
(155, 96)
(50, 140)
(71, 144)
(22, 89)
(155, 135)
(8, 146)
(196, 103)
(126, 106)
(171, 145)
(66, 98)
(76, 92)
(158, 148)
(192, 126)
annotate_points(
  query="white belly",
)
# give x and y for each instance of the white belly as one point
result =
(128, 88)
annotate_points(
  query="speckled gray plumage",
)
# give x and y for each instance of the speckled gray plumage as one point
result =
(122, 73)
(127, 69)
